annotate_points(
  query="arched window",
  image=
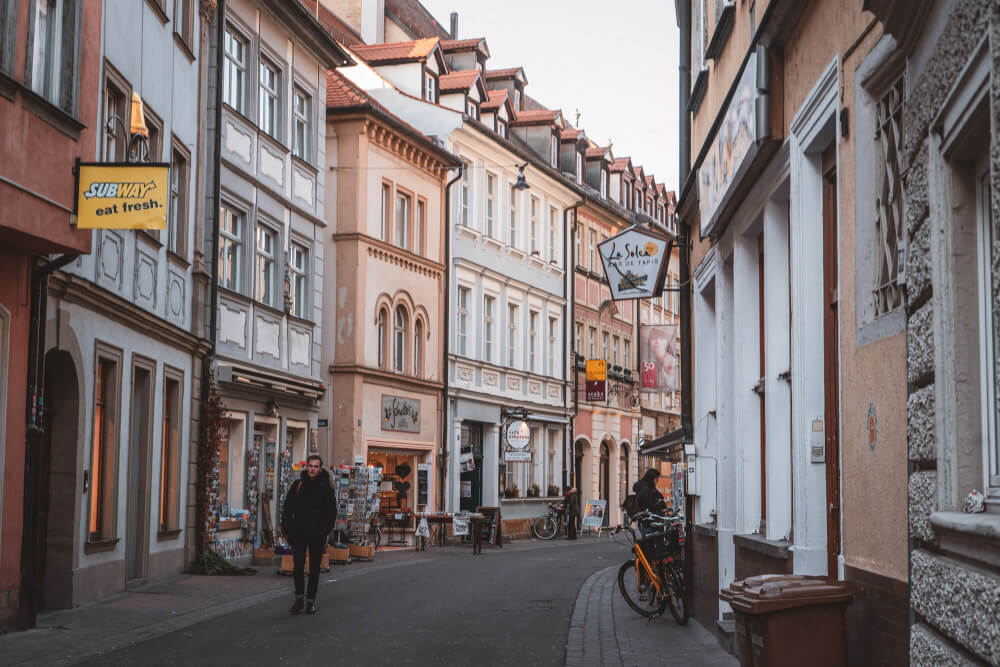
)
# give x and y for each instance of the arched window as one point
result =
(381, 337)
(418, 357)
(399, 340)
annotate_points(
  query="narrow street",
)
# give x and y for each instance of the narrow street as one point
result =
(515, 606)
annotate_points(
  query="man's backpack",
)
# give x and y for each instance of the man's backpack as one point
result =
(631, 505)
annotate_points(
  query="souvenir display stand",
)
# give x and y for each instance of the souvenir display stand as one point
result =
(358, 499)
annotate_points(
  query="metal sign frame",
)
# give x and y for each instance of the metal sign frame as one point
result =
(614, 281)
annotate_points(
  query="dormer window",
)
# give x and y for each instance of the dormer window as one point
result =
(604, 184)
(628, 194)
(430, 87)
(579, 167)
(554, 151)
(502, 128)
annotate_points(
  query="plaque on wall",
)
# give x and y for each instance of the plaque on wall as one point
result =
(400, 414)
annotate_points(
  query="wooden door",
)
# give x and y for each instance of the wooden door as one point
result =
(831, 365)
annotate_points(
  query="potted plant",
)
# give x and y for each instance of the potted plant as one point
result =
(511, 492)
(553, 491)
(534, 491)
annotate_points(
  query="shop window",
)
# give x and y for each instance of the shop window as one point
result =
(418, 348)
(269, 105)
(230, 248)
(234, 84)
(52, 60)
(461, 331)
(511, 334)
(301, 110)
(887, 292)
(402, 226)
(264, 265)
(170, 459)
(104, 446)
(491, 191)
(399, 340)
(382, 336)
(179, 179)
(298, 258)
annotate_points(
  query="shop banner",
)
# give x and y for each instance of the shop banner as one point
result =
(597, 380)
(400, 414)
(658, 360)
(634, 263)
(517, 456)
(122, 196)
(593, 516)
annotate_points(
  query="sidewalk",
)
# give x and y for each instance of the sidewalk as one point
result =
(69, 636)
(605, 632)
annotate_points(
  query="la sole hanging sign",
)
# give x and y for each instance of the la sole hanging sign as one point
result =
(122, 195)
(635, 262)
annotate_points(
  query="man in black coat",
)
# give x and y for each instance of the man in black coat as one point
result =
(307, 517)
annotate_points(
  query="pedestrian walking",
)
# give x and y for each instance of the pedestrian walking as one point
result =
(572, 513)
(307, 517)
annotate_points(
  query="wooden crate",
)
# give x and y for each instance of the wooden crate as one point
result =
(338, 556)
(359, 551)
(288, 564)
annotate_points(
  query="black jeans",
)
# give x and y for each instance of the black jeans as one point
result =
(316, 548)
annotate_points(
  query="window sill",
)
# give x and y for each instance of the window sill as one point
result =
(515, 252)
(270, 310)
(973, 536)
(771, 548)
(467, 231)
(167, 535)
(305, 164)
(52, 114)
(8, 86)
(151, 236)
(184, 47)
(698, 91)
(160, 11)
(275, 142)
(100, 546)
(537, 261)
(301, 321)
(723, 29)
(490, 241)
(178, 260)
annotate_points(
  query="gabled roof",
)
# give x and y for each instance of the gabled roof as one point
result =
(415, 18)
(417, 50)
(508, 73)
(474, 44)
(639, 173)
(537, 117)
(661, 190)
(495, 98)
(462, 82)
(570, 134)
(596, 152)
(650, 181)
(622, 164)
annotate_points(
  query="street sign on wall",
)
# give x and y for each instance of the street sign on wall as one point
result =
(122, 196)
(597, 380)
(634, 263)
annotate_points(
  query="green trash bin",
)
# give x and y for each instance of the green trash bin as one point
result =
(790, 619)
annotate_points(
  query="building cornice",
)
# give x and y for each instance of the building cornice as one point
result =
(393, 379)
(393, 135)
(378, 249)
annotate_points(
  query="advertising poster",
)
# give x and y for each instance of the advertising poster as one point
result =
(658, 358)
(593, 515)
(122, 196)
(597, 380)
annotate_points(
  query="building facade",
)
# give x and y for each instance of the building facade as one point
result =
(384, 336)
(49, 115)
(798, 328)
(268, 243)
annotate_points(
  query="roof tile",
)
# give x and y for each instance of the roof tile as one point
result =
(495, 99)
(417, 49)
(458, 80)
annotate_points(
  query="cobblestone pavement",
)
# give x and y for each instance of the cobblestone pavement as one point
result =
(605, 632)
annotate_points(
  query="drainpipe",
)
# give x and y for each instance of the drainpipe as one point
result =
(571, 272)
(30, 526)
(446, 339)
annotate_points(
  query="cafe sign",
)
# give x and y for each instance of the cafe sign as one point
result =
(597, 380)
(518, 434)
(400, 414)
(634, 263)
(122, 196)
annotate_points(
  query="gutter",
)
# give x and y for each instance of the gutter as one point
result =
(446, 338)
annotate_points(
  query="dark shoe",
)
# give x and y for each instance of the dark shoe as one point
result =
(297, 606)
(311, 607)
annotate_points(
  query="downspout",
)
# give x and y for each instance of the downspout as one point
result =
(35, 407)
(571, 272)
(446, 338)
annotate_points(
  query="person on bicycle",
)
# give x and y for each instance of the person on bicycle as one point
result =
(649, 496)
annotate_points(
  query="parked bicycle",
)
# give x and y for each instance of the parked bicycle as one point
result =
(654, 580)
(547, 526)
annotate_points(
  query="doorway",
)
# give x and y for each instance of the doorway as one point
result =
(831, 365)
(139, 455)
(471, 481)
(58, 465)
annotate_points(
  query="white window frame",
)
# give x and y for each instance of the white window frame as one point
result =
(512, 230)
(235, 76)
(579, 167)
(489, 301)
(533, 244)
(604, 184)
(462, 311)
(593, 250)
(578, 337)
(512, 315)
(385, 212)
(988, 337)
(264, 258)
(553, 234)
(298, 262)
(430, 86)
(401, 228)
(400, 324)
(491, 208)
(46, 54)
(232, 240)
(592, 343)
(533, 341)
(269, 98)
(554, 151)
(553, 328)
(302, 114)
(464, 196)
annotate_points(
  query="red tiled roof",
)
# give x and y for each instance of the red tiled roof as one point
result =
(461, 44)
(536, 116)
(413, 50)
(569, 133)
(495, 99)
(620, 163)
(415, 18)
(508, 73)
(342, 32)
(458, 80)
(596, 151)
(650, 181)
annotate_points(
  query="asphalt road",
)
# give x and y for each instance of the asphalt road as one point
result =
(505, 607)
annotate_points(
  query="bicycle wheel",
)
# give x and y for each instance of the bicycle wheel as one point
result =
(545, 527)
(677, 595)
(639, 592)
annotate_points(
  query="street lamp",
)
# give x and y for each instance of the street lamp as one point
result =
(137, 136)
(521, 183)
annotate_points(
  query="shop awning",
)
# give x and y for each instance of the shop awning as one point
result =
(668, 444)
(552, 419)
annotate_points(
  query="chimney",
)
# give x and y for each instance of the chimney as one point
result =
(373, 21)
(454, 25)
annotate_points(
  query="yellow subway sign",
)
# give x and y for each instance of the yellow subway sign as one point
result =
(122, 196)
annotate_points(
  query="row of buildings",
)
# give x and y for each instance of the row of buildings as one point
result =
(378, 248)
(839, 165)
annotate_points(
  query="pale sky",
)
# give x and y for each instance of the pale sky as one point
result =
(614, 61)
